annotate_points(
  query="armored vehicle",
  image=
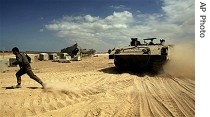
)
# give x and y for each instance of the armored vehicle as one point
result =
(141, 55)
(75, 50)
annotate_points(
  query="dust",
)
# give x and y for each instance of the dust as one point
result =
(61, 87)
(182, 61)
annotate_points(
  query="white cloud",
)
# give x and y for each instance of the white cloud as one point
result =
(178, 11)
(120, 7)
(119, 17)
(175, 23)
(89, 18)
(41, 30)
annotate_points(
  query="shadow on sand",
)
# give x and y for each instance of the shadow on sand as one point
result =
(13, 87)
(34, 87)
(138, 72)
(9, 87)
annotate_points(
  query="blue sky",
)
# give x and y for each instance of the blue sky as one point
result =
(51, 25)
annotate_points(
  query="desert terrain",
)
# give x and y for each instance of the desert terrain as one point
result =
(93, 87)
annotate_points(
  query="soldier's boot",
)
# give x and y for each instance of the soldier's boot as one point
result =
(43, 85)
(18, 85)
(18, 82)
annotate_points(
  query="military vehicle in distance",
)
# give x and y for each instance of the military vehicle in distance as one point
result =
(141, 55)
(75, 50)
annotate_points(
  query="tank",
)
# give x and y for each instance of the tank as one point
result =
(141, 55)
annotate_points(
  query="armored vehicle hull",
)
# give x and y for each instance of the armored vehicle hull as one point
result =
(139, 56)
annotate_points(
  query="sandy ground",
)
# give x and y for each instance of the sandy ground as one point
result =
(93, 87)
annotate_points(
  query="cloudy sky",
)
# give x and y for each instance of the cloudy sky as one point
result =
(51, 25)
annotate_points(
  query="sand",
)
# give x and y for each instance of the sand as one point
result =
(93, 87)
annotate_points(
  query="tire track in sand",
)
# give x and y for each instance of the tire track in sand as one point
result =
(163, 97)
(123, 95)
(182, 96)
(49, 100)
(64, 97)
(162, 104)
(142, 99)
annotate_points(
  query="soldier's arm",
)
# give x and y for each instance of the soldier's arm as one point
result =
(19, 59)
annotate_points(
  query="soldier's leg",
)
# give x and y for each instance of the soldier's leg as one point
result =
(19, 74)
(33, 76)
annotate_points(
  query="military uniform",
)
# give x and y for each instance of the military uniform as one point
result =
(25, 67)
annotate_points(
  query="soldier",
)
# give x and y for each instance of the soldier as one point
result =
(25, 67)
